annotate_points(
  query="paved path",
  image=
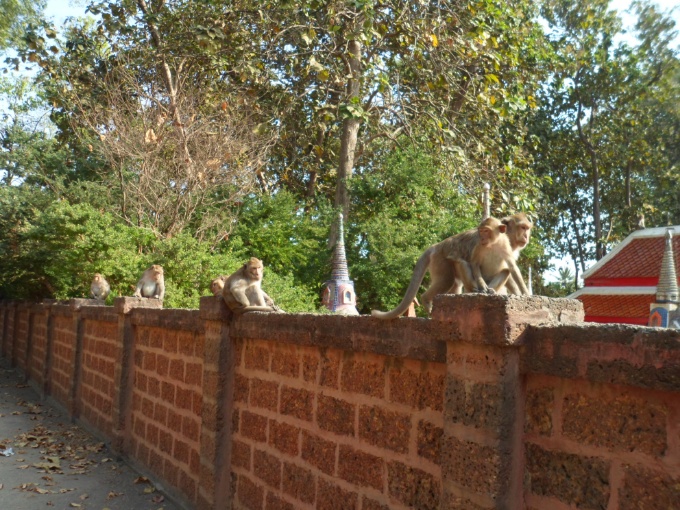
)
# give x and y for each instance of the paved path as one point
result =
(57, 465)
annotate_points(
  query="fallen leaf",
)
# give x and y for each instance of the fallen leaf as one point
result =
(42, 491)
(158, 499)
(150, 489)
(141, 479)
(1, 486)
(64, 491)
(83, 497)
(76, 505)
(113, 495)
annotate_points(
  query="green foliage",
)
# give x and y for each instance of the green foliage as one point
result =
(55, 250)
(401, 207)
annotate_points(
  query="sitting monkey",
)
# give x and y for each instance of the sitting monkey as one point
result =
(243, 292)
(217, 285)
(100, 288)
(151, 284)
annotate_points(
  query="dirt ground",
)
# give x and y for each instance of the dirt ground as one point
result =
(58, 465)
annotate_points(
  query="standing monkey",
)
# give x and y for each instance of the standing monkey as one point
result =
(442, 260)
(151, 284)
(243, 292)
(99, 288)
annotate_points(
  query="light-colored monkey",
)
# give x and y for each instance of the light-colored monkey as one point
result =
(151, 284)
(217, 285)
(243, 292)
(492, 264)
(519, 234)
(442, 260)
(99, 288)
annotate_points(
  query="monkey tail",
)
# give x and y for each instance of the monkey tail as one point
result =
(417, 278)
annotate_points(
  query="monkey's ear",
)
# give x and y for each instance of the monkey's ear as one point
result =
(502, 228)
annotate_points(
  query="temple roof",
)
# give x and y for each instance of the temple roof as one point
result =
(638, 256)
(620, 308)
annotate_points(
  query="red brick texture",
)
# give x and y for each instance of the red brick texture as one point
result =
(167, 405)
(497, 402)
(327, 428)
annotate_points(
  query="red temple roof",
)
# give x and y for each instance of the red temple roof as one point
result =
(621, 286)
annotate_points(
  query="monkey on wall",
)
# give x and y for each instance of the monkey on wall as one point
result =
(99, 288)
(217, 285)
(442, 260)
(492, 263)
(242, 290)
(151, 284)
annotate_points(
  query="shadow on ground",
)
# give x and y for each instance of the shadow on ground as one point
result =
(58, 465)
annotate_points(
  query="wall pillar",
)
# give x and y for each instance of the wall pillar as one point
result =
(484, 405)
(214, 491)
(124, 374)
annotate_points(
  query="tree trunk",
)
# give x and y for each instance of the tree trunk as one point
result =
(350, 130)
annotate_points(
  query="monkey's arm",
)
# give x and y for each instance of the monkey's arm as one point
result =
(160, 290)
(515, 283)
(465, 272)
(138, 290)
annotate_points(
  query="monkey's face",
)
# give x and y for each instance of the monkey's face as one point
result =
(254, 270)
(489, 230)
(522, 233)
(97, 278)
(217, 285)
(156, 271)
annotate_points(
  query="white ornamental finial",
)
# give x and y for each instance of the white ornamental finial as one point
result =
(486, 201)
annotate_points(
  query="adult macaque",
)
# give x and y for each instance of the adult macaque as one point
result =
(152, 284)
(217, 285)
(99, 288)
(492, 262)
(243, 292)
(442, 260)
(519, 234)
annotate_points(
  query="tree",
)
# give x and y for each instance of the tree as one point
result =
(14, 16)
(605, 126)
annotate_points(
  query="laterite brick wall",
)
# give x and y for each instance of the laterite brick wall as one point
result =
(495, 402)
(317, 428)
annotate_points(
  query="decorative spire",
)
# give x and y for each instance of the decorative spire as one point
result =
(667, 289)
(340, 270)
(338, 294)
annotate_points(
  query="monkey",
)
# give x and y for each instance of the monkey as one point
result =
(492, 260)
(519, 234)
(100, 288)
(151, 284)
(217, 285)
(442, 260)
(243, 292)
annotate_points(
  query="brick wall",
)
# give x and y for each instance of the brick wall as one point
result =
(496, 402)
(327, 428)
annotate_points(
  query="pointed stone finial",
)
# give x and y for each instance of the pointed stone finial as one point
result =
(486, 201)
(664, 312)
(667, 290)
(338, 294)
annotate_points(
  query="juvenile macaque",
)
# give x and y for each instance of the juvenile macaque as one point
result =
(151, 285)
(243, 292)
(492, 261)
(443, 261)
(217, 285)
(99, 288)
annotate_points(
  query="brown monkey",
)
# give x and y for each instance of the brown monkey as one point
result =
(99, 288)
(243, 292)
(151, 284)
(519, 234)
(492, 260)
(217, 285)
(442, 260)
